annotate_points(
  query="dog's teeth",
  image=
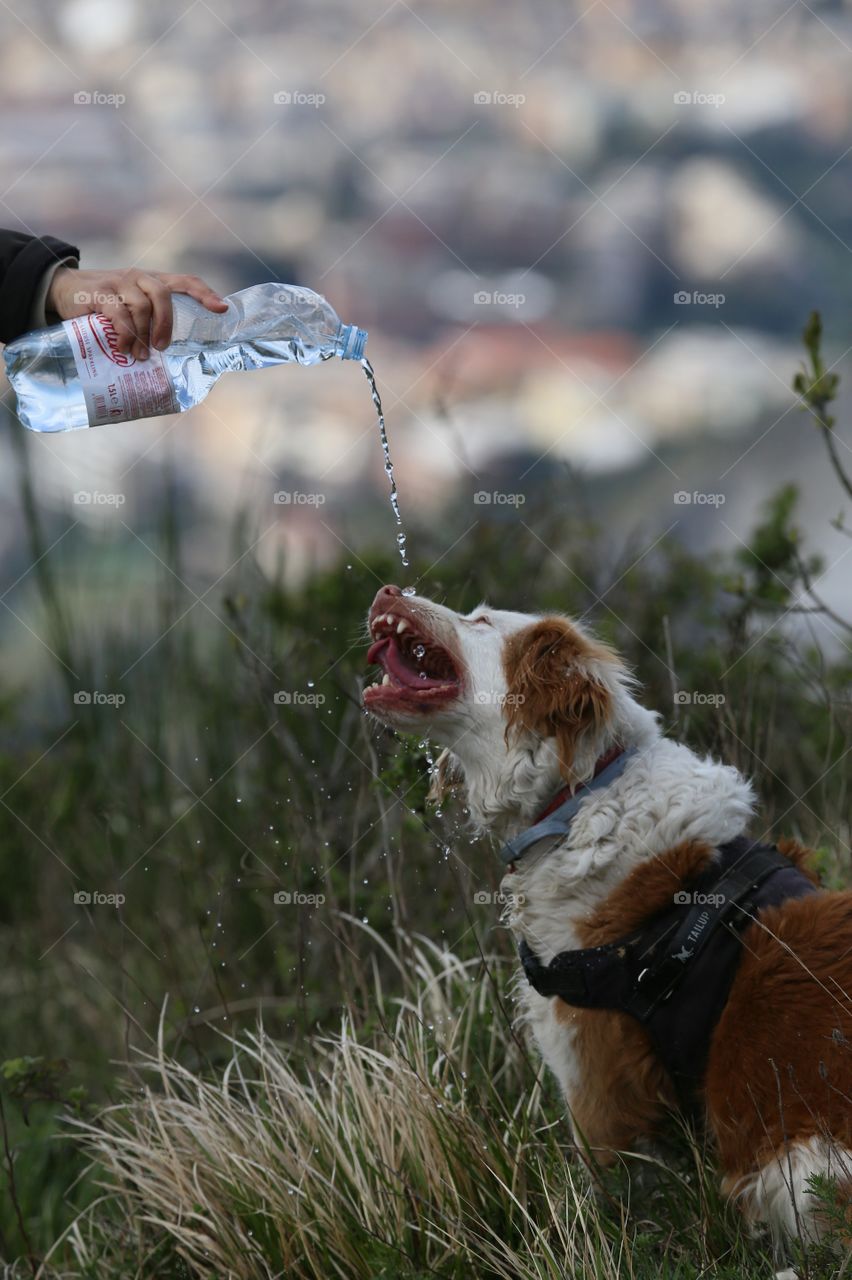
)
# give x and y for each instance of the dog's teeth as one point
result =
(386, 679)
(402, 625)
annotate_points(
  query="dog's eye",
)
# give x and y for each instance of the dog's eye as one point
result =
(483, 617)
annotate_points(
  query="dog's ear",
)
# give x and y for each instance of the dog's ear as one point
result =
(447, 777)
(554, 689)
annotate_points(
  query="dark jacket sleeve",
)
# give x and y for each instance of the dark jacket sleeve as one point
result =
(23, 261)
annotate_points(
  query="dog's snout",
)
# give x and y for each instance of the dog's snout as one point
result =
(386, 595)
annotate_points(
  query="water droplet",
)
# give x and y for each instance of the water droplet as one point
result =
(408, 591)
(419, 651)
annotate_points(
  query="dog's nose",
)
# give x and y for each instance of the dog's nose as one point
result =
(386, 595)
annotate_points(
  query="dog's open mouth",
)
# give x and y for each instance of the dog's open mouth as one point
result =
(418, 671)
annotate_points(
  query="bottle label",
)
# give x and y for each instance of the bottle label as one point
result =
(117, 387)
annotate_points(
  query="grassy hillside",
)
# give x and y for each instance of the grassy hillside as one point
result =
(235, 845)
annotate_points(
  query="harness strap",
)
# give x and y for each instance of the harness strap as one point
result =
(637, 972)
(736, 892)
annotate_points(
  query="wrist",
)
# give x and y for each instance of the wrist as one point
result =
(57, 290)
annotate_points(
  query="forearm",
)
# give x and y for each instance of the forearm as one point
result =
(24, 261)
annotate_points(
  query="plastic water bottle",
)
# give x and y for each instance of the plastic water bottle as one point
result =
(73, 375)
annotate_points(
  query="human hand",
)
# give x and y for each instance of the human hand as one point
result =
(139, 303)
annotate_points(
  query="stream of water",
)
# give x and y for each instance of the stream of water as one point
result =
(394, 495)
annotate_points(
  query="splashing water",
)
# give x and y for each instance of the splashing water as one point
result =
(426, 748)
(394, 497)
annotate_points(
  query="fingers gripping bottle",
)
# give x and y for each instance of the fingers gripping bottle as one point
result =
(72, 375)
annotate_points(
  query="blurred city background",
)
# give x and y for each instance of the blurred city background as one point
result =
(584, 239)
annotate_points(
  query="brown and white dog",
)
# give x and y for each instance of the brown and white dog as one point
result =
(526, 705)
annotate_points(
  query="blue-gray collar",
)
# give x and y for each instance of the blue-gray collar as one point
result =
(558, 823)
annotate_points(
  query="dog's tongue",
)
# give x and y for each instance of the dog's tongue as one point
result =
(375, 650)
(387, 654)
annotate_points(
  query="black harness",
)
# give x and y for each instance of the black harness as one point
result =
(675, 973)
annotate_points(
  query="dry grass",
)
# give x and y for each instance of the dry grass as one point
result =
(423, 1146)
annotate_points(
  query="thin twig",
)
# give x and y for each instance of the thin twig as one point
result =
(13, 1191)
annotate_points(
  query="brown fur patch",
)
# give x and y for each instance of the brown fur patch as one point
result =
(780, 1065)
(552, 691)
(648, 888)
(624, 1088)
(800, 855)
